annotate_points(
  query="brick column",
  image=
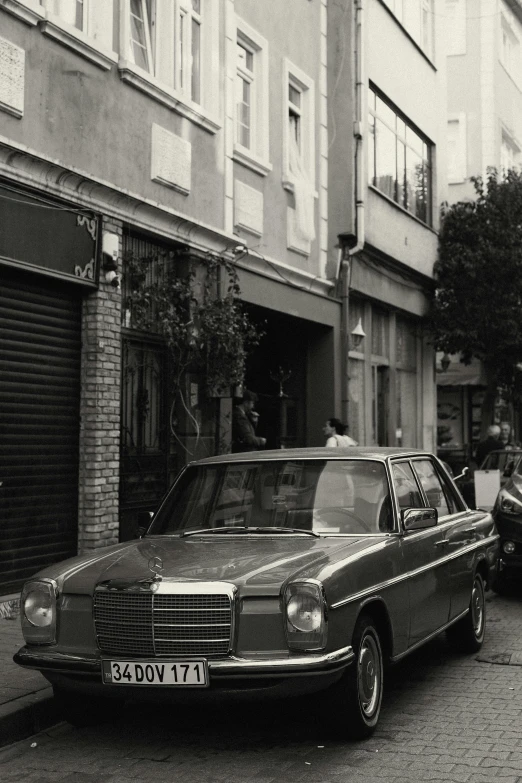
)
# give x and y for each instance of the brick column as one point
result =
(98, 513)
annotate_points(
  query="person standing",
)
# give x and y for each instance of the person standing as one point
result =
(506, 437)
(491, 443)
(244, 436)
(335, 432)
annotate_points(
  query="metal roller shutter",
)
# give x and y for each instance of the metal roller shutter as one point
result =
(40, 343)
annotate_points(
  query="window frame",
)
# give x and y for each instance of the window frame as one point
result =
(427, 161)
(298, 79)
(256, 156)
(452, 502)
(165, 82)
(94, 41)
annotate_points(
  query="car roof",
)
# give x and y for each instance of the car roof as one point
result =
(505, 451)
(381, 453)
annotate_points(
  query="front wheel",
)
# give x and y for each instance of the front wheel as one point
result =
(467, 635)
(354, 703)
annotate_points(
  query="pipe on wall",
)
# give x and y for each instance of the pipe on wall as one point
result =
(349, 249)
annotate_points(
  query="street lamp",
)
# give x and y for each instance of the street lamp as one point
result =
(358, 334)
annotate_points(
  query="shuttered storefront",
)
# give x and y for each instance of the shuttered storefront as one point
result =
(40, 342)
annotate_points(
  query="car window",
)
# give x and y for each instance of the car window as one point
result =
(431, 483)
(406, 487)
(325, 496)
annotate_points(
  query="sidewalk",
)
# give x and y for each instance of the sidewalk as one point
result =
(26, 698)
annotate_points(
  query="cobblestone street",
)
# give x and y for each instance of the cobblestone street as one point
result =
(445, 718)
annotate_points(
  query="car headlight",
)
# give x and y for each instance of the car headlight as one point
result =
(508, 547)
(38, 611)
(306, 615)
(507, 503)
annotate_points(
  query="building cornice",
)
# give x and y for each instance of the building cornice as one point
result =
(26, 167)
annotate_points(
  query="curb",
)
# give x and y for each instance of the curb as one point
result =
(27, 715)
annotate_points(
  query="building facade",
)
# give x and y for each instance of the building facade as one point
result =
(387, 150)
(184, 130)
(484, 129)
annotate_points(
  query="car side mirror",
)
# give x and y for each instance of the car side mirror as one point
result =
(462, 474)
(418, 518)
(144, 520)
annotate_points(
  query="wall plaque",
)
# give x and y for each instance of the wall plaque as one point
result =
(12, 74)
(171, 159)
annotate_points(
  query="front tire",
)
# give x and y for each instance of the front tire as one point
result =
(467, 635)
(354, 703)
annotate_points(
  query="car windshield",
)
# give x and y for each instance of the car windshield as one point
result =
(349, 497)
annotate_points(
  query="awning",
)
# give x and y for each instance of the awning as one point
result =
(459, 374)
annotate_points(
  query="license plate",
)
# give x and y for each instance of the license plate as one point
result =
(180, 673)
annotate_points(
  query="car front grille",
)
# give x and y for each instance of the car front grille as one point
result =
(148, 624)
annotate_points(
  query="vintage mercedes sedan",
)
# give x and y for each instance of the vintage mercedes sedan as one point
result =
(280, 574)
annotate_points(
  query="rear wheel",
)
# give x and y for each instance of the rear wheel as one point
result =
(468, 633)
(354, 703)
(80, 710)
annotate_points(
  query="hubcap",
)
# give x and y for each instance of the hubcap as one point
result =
(477, 607)
(369, 675)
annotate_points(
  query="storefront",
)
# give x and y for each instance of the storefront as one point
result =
(45, 272)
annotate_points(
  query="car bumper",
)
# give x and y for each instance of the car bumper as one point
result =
(233, 666)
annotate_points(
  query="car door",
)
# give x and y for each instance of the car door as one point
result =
(424, 558)
(460, 527)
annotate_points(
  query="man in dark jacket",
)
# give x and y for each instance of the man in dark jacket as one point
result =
(244, 437)
(492, 443)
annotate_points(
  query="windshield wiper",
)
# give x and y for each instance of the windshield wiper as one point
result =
(242, 528)
(284, 530)
(245, 529)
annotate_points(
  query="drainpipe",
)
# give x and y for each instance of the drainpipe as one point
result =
(351, 244)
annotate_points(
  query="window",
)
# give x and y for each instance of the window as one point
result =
(431, 484)
(299, 156)
(457, 163)
(251, 101)
(141, 14)
(86, 26)
(416, 16)
(509, 154)
(509, 48)
(456, 27)
(406, 487)
(299, 136)
(245, 86)
(70, 11)
(170, 50)
(399, 159)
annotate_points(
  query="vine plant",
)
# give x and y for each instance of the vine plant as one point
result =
(195, 304)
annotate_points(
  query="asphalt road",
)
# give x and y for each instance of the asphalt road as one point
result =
(445, 718)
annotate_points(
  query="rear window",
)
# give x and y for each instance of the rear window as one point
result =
(349, 497)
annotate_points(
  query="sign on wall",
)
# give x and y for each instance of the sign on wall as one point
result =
(37, 232)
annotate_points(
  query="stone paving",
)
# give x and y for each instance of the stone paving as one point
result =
(445, 718)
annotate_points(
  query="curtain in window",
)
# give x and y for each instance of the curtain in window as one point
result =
(303, 191)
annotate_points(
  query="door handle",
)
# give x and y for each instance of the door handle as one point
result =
(443, 542)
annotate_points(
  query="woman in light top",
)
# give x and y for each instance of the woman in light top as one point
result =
(335, 430)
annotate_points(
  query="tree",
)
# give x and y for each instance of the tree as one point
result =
(477, 310)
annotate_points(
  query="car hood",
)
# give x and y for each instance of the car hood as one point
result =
(255, 563)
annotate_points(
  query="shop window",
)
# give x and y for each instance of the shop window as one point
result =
(400, 158)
